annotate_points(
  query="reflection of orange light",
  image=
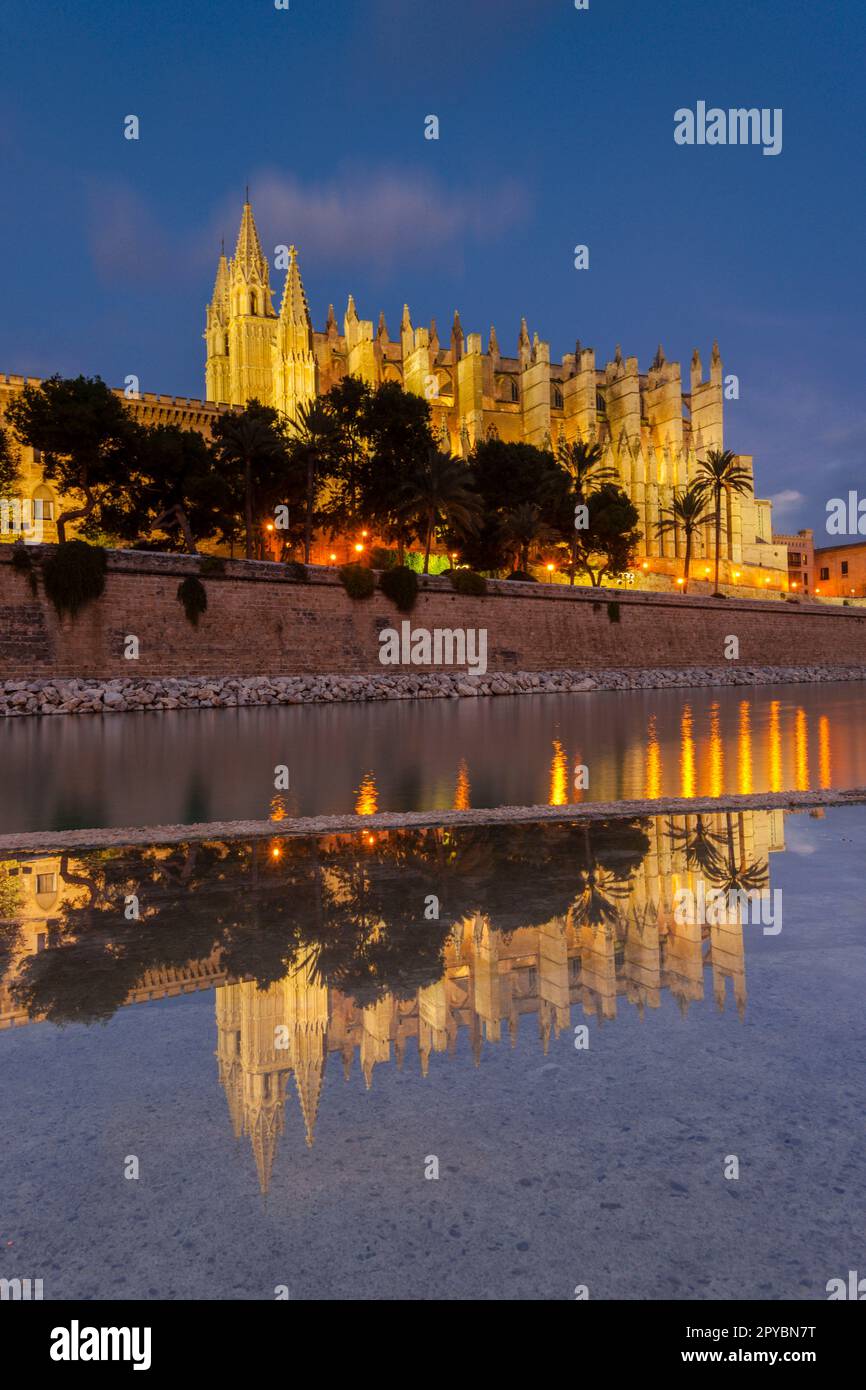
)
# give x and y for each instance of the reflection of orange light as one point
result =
(801, 750)
(276, 852)
(653, 762)
(744, 749)
(824, 770)
(278, 807)
(687, 753)
(462, 790)
(775, 736)
(558, 776)
(368, 800)
(717, 753)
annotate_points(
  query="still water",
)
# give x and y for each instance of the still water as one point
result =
(198, 766)
(458, 1063)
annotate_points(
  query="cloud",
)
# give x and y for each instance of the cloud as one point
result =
(787, 498)
(382, 220)
(377, 221)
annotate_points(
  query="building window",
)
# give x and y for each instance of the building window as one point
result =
(825, 573)
(805, 576)
(794, 559)
(844, 566)
(557, 398)
(515, 390)
(46, 883)
(43, 509)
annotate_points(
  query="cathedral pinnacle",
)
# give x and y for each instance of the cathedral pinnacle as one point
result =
(249, 262)
(294, 308)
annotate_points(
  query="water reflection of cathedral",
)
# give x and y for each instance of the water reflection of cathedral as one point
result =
(274, 1044)
(276, 1041)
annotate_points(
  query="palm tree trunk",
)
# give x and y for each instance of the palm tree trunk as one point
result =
(429, 542)
(308, 523)
(718, 532)
(248, 505)
(687, 561)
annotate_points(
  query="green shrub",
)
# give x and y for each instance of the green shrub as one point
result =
(22, 561)
(523, 575)
(383, 559)
(400, 585)
(191, 593)
(74, 575)
(296, 570)
(468, 582)
(211, 564)
(613, 611)
(358, 581)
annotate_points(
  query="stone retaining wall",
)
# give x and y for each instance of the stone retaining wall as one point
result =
(261, 623)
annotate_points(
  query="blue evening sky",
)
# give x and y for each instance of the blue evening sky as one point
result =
(556, 128)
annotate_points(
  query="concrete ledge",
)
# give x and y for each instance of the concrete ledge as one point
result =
(53, 841)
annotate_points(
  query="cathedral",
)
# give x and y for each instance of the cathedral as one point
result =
(653, 432)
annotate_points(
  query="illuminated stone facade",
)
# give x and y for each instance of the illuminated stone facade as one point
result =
(652, 431)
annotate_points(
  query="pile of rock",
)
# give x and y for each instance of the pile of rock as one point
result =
(212, 692)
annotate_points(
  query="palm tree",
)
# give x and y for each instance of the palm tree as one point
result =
(524, 530)
(585, 466)
(314, 429)
(721, 471)
(688, 514)
(437, 491)
(249, 439)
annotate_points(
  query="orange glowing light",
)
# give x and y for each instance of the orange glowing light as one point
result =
(558, 776)
(363, 533)
(270, 526)
(645, 565)
(736, 574)
(359, 547)
(653, 774)
(681, 581)
(550, 569)
(276, 852)
(333, 556)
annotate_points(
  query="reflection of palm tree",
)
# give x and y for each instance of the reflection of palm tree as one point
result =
(728, 870)
(739, 875)
(351, 910)
(700, 845)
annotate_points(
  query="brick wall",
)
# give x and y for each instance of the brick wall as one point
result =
(259, 623)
